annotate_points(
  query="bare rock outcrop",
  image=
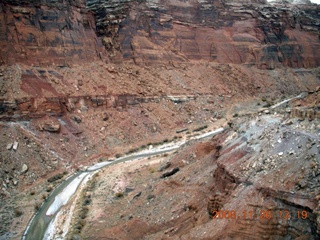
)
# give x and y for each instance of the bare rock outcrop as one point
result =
(245, 32)
(257, 181)
(47, 32)
(151, 32)
(50, 125)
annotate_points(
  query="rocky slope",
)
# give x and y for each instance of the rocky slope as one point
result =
(33, 92)
(264, 171)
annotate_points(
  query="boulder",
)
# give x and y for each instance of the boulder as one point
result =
(15, 182)
(76, 118)
(9, 146)
(24, 168)
(50, 127)
(105, 117)
(170, 173)
(164, 166)
(15, 146)
(49, 124)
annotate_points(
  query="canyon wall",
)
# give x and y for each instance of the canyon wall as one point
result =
(150, 32)
(244, 33)
(51, 32)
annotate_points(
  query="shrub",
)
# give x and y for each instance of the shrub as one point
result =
(56, 177)
(37, 206)
(82, 222)
(267, 105)
(17, 212)
(44, 196)
(87, 201)
(119, 194)
(79, 226)
(200, 128)
(83, 212)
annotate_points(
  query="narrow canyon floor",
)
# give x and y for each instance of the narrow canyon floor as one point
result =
(259, 179)
(44, 139)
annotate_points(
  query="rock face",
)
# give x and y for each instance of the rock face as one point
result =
(151, 32)
(222, 31)
(47, 32)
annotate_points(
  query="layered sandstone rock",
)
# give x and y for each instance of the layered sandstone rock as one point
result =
(150, 32)
(223, 31)
(47, 33)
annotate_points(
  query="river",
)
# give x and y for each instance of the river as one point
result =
(41, 225)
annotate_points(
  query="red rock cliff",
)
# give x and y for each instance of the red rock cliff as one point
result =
(150, 32)
(47, 32)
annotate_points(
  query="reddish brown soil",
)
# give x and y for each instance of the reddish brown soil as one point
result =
(247, 171)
